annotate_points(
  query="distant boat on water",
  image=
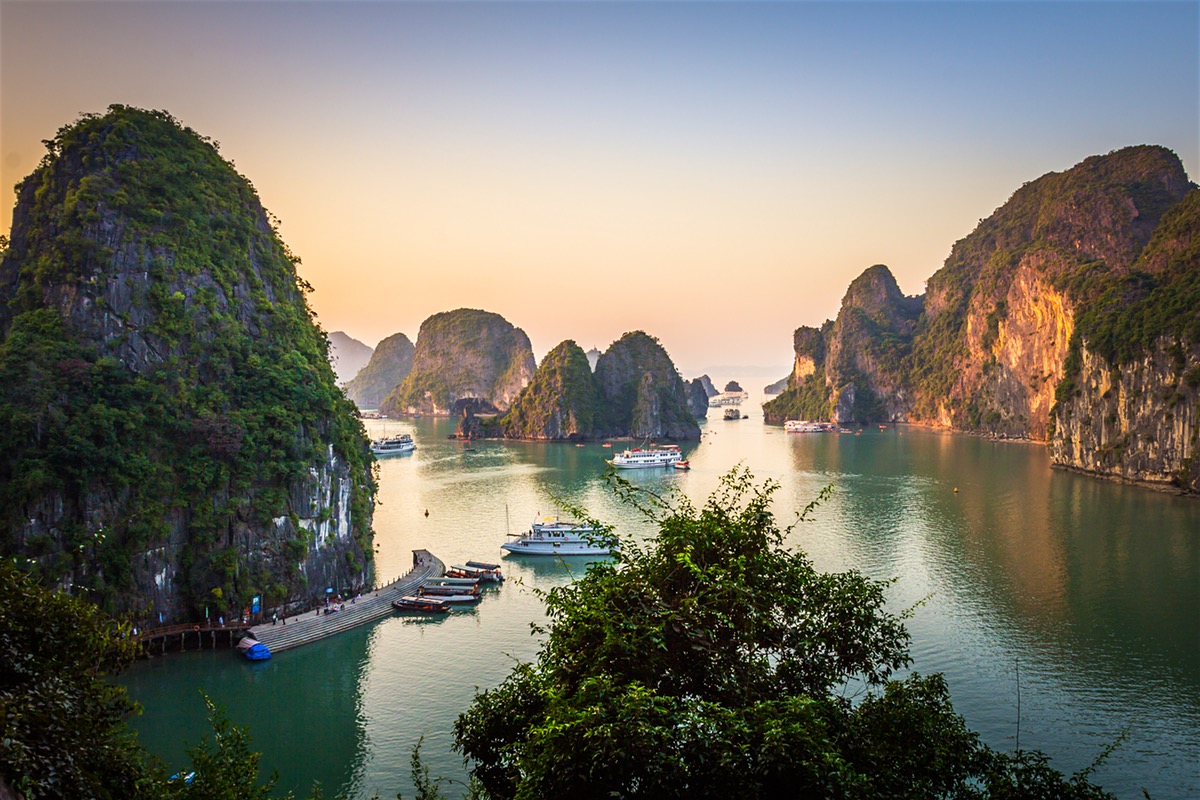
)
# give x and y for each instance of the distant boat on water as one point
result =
(639, 458)
(393, 445)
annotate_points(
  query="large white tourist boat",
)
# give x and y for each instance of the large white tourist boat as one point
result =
(554, 537)
(805, 426)
(664, 456)
(393, 445)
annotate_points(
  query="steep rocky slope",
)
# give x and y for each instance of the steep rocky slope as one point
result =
(561, 403)
(390, 364)
(642, 391)
(348, 355)
(1058, 319)
(1129, 403)
(466, 354)
(172, 440)
(697, 397)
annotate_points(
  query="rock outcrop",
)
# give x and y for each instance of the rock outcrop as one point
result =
(463, 354)
(867, 346)
(709, 389)
(642, 391)
(1068, 316)
(172, 440)
(390, 364)
(697, 397)
(348, 356)
(561, 403)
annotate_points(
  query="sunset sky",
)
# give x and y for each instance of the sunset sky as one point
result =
(712, 173)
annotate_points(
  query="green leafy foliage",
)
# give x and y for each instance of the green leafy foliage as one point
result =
(714, 662)
(62, 730)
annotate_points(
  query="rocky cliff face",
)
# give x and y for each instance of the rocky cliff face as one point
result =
(561, 403)
(348, 355)
(171, 435)
(697, 397)
(465, 354)
(866, 348)
(642, 391)
(807, 395)
(1050, 321)
(390, 364)
(1139, 421)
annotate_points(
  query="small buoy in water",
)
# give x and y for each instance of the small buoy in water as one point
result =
(427, 510)
(955, 491)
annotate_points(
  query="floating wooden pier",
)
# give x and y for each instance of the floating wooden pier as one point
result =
(316, 624)
(189, 636)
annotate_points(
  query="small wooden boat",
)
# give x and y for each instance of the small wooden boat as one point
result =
(452, 582)
(464, 597)
(425, 605)
(443, 589)
(476, 569)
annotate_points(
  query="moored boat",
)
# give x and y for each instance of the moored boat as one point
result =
(253, 649)
(682, 465)
(641, 458)
(441, 590)
(452, 581)
(425, 605)
(554, 537)
(806, 426)
(393, 445)
(463, 597)
(479, 570)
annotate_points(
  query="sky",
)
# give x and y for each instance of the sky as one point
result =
(714, 174)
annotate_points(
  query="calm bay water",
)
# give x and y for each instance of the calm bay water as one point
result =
(1088, 590)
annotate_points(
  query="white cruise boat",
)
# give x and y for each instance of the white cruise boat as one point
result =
(554, 537)
(393, 445)
(804, 426)
(665, 456)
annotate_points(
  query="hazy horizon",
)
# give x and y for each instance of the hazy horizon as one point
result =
(714, 174)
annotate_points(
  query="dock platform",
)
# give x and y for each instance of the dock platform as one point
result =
(313, 625)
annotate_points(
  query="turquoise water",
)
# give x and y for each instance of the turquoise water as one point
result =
(1089, 590)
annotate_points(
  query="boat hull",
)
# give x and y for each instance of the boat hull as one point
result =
(556, 548)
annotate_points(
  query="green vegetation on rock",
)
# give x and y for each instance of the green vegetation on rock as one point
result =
(166, 397)
(642, 392)
(562, 401)
(389, 366)
(810, 400)
(463, 354)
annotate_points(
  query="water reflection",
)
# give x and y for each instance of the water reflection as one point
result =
(1090, 589)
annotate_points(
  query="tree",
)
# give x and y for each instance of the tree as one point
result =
(62, 722)
(716, 662)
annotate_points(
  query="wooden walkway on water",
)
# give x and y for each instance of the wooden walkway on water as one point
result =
(313, 625)
(305, 627)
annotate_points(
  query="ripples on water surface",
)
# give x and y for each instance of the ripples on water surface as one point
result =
(1090, 590)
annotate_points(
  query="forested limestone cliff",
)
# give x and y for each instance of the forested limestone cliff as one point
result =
(561, 403)
(634, 392)
(1070, 315)
(642, 391)
(172, 440)
(389, 365)
(463, 355)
